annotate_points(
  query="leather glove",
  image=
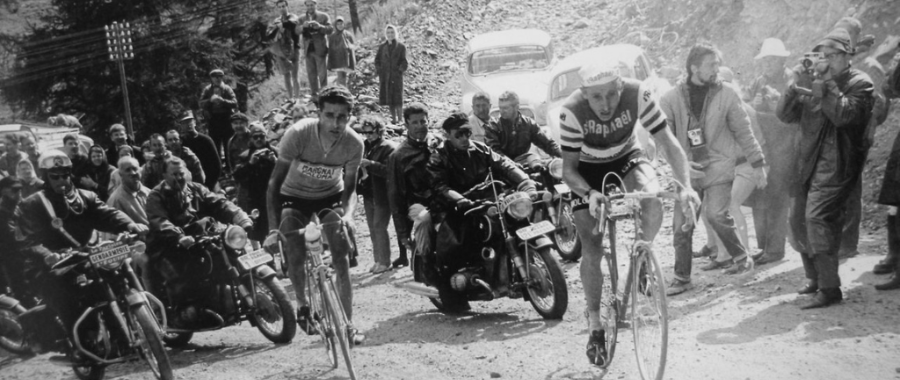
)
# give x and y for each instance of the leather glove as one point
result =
(527, 186)
(464, 204)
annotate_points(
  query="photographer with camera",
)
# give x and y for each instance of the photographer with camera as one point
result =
(833, 104)
(252, 173)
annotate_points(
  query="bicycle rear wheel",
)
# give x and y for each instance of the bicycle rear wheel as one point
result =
(319, 319)
(649, 315)
(335, 316)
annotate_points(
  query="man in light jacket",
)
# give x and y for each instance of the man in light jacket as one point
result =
(712, 126)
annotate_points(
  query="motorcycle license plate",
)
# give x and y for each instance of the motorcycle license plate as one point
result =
(110, 256)
(254, 259)
(561, 188)
(535, 230)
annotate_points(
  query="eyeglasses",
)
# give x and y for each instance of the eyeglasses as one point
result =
(463, 133)
(258, 137)
(57, 177)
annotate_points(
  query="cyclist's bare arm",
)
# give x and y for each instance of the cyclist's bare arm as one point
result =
(275, 181)
(570, 173)
(348, 197)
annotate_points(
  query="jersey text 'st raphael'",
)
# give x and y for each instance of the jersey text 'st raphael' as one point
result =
(581, 130)
(315, 173)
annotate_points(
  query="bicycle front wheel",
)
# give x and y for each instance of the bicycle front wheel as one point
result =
(609, 302)
(320, 320)
(649, 314)
(335, 316)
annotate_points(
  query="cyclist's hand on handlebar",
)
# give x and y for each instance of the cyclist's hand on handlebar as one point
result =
(52, 258)
(186, 241)
(596, 200)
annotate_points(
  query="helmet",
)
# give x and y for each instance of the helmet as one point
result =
(53, 159)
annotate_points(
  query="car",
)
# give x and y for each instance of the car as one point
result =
(565, 80)
(46, 137)
(517, 60)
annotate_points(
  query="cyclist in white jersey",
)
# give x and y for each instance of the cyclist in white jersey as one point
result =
(598, 124)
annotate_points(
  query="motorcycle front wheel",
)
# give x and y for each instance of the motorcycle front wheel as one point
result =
(12, 336)
(566, 238)
(547, 289)
(274, 314)
(151, 348)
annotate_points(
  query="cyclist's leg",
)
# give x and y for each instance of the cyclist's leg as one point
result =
(592, 251)
(643, 178)
(340, 245)
(295, 252)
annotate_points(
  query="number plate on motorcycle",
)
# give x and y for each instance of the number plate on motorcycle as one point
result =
(561, 188)
(254, 259)
(110, 256)
(535, 230)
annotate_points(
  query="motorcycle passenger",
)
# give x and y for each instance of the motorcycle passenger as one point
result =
(458, 165)
(56, 218)
(177, 209)
(317, 167)
(598, 125)
(514, 133)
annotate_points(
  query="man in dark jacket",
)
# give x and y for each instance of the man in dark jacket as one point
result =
(409, 183)
(176, 209)
(315, 26)
(514, 133)
(10, 259)
(202, 146)
(459, 165)
(59, 217)
(890, 196)
(833, 117)
(218, 101)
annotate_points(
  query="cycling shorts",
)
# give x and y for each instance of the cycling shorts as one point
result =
(594, 173)
(308, 207)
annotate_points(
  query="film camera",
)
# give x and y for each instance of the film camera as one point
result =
(810, 60)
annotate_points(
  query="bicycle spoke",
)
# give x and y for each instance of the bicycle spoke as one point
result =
(649, 316)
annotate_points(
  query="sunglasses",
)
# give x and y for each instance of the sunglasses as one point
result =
(57, 177)
(463, 133)
(258, 137)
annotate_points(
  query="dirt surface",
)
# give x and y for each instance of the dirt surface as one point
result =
(728, 327)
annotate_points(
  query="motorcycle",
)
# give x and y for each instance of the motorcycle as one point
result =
(12, 336)
(502, 255)
(230, 285)
(117, 324)
(547, 174)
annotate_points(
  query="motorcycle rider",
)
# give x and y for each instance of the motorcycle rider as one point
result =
(458, 165)
(598, 134)
(56, 218)
(177, 209)
(514, 133)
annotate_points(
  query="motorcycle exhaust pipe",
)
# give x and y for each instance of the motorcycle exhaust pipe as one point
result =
(420, 289)
(488, 254)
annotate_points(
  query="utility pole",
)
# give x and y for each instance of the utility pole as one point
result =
(118, 41)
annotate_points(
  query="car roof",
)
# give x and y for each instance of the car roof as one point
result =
(511, 37)
(624, 52)
(11, 128)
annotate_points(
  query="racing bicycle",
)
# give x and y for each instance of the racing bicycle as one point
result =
(329, 319)
(620, 221)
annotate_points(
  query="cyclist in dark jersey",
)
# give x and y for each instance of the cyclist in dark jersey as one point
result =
(598, 125)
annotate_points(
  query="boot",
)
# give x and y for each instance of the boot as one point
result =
(825, 297)
(887, 264)
(894, 282)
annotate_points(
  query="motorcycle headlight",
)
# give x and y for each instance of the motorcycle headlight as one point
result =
(518, 205)
(235, 237)
(556, 168)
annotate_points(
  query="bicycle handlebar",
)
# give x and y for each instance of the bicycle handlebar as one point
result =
(647, 195)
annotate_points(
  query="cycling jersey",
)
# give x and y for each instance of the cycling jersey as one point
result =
(315, 172)
(581, 130)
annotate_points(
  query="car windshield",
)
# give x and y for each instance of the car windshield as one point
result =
(509, 58)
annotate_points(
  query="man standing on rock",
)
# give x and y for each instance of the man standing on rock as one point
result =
(833, 117)
(204, 147)
(315, 26)
(390, 64)
(218, 102)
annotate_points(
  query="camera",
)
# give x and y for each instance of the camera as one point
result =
(810, 60)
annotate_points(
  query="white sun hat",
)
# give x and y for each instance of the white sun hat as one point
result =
(772, 47)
